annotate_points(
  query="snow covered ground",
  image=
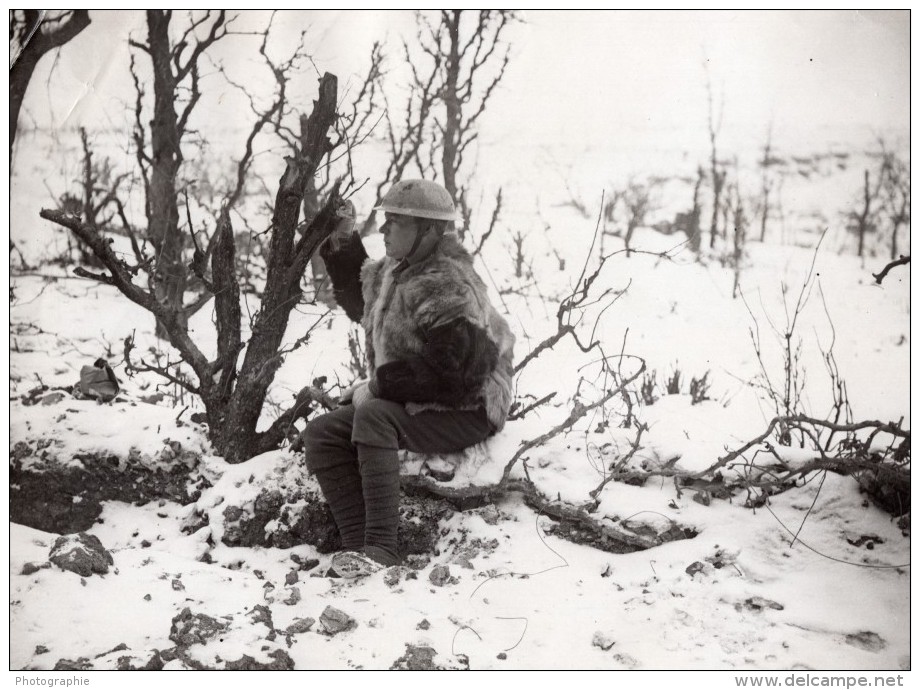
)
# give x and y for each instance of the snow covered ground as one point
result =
(505, 586)
(737, 595)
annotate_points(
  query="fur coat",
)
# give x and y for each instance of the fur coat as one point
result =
(434, 341)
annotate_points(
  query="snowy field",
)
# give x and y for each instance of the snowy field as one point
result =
(817, 578)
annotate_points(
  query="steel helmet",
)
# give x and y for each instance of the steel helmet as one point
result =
(419, 198)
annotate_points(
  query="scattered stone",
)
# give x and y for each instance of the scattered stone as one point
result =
(261, 614)
(304, 564)
(694, 568)
(147, 597)
(626, 660)
(294, 597)
(418, 561)
(31, 568)
(416, 658)
(232, 513)
(281, 661)
(423, 625)
(291, 578)
(53, 398)
(759, 604)
(424, 658)
(300, 625)
(440, 576)
(396, 574)
(118, 648)
(335, 621)
(501, 655)
(145, 544)
(129, 663)
(81, 664)
(602, 640)
(867, 640)
(80, 553)
(41, 649)
(177, 585)
(190, 628)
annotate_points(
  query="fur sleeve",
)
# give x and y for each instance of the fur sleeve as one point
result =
(343, 264)
(454, 362)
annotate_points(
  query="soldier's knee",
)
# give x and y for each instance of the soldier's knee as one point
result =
(321, 433)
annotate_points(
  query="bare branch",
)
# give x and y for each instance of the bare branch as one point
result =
(880, 276)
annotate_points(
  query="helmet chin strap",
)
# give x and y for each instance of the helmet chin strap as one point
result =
(419, 236)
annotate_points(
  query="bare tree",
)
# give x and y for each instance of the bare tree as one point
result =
(739, 236)
(33, 34)
(233, 392)
(766, 162)
(863, 221)
(718, 175)
(895, 193)
(451, 87)
(176, 72)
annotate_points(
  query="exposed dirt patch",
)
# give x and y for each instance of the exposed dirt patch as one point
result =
(55, 498)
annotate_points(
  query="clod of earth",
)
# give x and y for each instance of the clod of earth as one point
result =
(422, 658)
(300, 625)
(261, 614)
(694, 568)
(81, 553)
(194, 628)
(440, 576)
(867, 640)
(335, 621)
(281, 661)
(602, 640)
(396, 574)
(759, 604)
(294, 597)
(31, 568)
(80, 664)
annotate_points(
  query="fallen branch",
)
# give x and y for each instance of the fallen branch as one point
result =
(880, 276)
(578, 411)
(532, 406)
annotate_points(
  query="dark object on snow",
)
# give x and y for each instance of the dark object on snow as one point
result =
(759, 604)
(335, 621)
(81, 664)
(421, 658)
(440, 576)
(31, 568)
(194, 628)
(300, 625)
(694, 568)
(98, 381)
(281, 661)
(888, 484)
(80, 553)
(867, 640)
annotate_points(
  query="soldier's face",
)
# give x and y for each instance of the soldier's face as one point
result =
(399, 234)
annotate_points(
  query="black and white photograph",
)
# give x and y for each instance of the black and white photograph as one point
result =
(496, 340)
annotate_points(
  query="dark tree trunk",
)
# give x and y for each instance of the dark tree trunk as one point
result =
(452, 106)
(863, 220)
(33, 51)
(166, 156)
